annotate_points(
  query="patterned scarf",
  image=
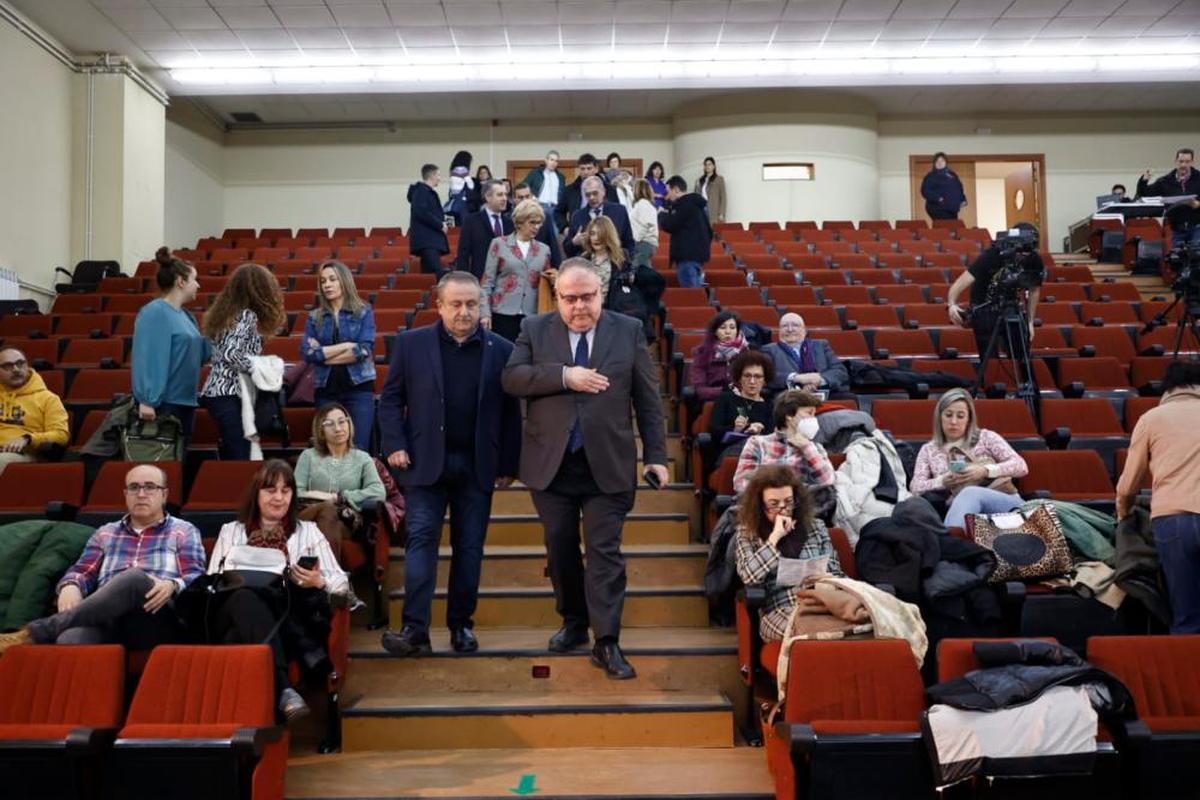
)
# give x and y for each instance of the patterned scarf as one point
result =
(270, 538)
(725, 351)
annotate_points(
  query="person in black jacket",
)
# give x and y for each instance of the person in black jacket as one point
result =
(684, 217)
(480, 228)
(426, 227)
(546, 233)
(597, 206)
(1183, 180)
(942, 190)
(586, 166)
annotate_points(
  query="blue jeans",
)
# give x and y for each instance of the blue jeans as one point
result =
(227, 414)
(1191, 237)
(689, 273)
(360, 406)
(979, 500)
(1177, 538)
(470, 507)
(548, 210)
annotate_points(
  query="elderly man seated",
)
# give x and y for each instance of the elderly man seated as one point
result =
(30, 414)
(804, 363)
(122, 588)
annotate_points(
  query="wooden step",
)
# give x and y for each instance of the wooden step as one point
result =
(525, 530)
(713, 774)
(645, 606)
(517, 660)
(403, 720)
(675, 498)
(513, 566)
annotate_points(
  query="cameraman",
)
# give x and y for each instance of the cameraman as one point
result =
(987, 297)
(1166, 442)
(1183, 180)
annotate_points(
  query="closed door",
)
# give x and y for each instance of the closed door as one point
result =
(1020, 195)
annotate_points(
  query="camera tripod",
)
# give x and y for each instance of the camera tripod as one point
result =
(1188, 320)
(1012, 322)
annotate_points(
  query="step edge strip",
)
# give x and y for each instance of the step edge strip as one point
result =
(606, 709)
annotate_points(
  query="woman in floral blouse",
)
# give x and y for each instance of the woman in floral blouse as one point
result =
(515, 264)
(775, 520)
(976, 466)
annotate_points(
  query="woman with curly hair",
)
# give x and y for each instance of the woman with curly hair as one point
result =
(248, 309)
(602, 246)
(775, 520)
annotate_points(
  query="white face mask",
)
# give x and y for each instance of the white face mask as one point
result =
(808, 427)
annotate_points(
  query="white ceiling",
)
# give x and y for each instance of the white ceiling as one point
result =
(434, 38)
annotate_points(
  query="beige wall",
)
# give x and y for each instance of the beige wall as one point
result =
(143, 142)
(194, 205)
(35, 160)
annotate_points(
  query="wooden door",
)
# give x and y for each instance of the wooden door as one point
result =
(1021, 196)
(919, 167)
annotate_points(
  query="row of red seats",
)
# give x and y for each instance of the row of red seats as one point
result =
(842, 225)
(293, 300)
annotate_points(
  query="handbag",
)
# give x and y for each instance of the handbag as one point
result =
(1028, 545)
(299, 383)
(159, 439)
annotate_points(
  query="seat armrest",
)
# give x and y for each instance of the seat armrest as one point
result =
(84, 741)
(253, 741)
(61, 511)
(801, 738)
(754, 596)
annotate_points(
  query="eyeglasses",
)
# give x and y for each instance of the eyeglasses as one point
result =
(572, 299)
(11, 365)
(138, 488)
(752, 376)
(779, 505)
(335, 423)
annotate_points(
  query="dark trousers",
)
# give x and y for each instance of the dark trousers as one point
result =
(425, 509)
(113, 614)
(941, 213)
(431, 261)
(594, 594)
(247, 617)
(359, 405)
(507, 325)
(1177, 538)
(227, 413)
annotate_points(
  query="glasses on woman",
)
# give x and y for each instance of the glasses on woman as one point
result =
(335, 423)
(779, 505)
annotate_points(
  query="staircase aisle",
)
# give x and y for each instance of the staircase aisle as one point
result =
(514, 719)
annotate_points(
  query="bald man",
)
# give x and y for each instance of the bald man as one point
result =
(804, 363)
(122, 588)
(30, 414)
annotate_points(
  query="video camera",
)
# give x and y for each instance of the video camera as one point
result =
(1020, 268)
(1184, 262)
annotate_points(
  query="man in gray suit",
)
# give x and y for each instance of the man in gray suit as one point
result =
(581, 369)
(804, 363)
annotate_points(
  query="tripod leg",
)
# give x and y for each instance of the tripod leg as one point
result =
(1016, 329)
(986, 356)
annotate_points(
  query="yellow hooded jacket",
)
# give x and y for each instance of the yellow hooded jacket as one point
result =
(35, 410)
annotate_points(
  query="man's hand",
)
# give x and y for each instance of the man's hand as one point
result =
(17, 445)
(485, 323)
(659, 471)
(69, 597)
(504, 481)
(957, 316)
(158, 595)
(807, 379)
(582, 379)
(399, 460)
(145, 412)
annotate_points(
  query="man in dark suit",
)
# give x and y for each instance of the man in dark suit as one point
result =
(586, 166)
(453, 435)
(426, 224)
(580, 368)
(480, 228)
(597, 206)
(804, 363)
(546, 233)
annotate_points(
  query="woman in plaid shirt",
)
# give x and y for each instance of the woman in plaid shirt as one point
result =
(775, 520)
(791, 443)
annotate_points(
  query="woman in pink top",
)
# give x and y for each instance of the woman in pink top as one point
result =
(975, 465)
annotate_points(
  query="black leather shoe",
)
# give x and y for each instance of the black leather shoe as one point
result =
(568, 638)
(408, 642)
(463, 640)
(608, 656)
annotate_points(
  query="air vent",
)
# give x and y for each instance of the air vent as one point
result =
(245, 116)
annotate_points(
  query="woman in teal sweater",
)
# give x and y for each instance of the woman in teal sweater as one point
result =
(334, 476)
(168, 348)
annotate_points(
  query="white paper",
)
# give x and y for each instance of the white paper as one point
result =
(793, 571)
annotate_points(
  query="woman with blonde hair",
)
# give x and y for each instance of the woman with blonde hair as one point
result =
(339, 339)
(602, 246)
(514, 267)
(644, 220)
(248, 310)
(974, 465)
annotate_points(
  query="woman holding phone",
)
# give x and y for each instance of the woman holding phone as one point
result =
(973, 465)
(775, 520)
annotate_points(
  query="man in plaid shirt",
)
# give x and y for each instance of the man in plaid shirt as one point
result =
(121, 588)
(790, 444)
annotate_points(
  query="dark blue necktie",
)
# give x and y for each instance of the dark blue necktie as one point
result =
(581, 360)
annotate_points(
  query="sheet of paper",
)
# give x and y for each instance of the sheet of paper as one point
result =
(793, 571)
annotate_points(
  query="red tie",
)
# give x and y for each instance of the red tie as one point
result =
(496, 229)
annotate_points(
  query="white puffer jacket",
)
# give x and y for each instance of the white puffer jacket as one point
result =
(856, 480)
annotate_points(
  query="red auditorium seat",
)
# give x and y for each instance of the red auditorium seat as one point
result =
(688, 318)
(59, 711)
(978, 235)
(961, 367)
(1145, 370)
(927, 315)
(1074, 475)
(846, 344)
(919, 247)
(92, 353)
(1149, 309)
(1063, 293)
(78, 303)
(1165, 338)
(905, 419)
(209, 713)
(83, 324)
(735, 277)
(1057, 314)
(399, 298)
(933, 259)
(1114, 342)
(872, 277)
(903, 344)
(897, 261)
(798, 226)
(720, 262)
(1000, 372)
(1049, 341)
(912, 224)
(819, 317)
(1110, 312)
(850, 702)
(299, 301)
(1103, 373)
(900, 294)
(286, 347)
(388, 233)
(923, 275)
(956, 657)
(274, 234)
(97, 387)
(26, 489)
(823, 277)
(426, 316)
(1119, 291)
(366, 283)
(876, 250)
(55, 381)
(35, 350)
(1162, 674)
(251, 243)
(856, 262)
(1073, 274)
(844, 295)
(1012, 419)
(312, 234)
(790, 296)
(961, 340)
(938, 292)
(126, 304)
(762, 225)
(871, 316)
(965, 248)
(738, 296)
(391, 320)
(292, 243)
(353, 256)
(763, 315)
(312, 255)
(754, 263)
(808, 261)
(676, 296)
(1135, 407)
(771, 236)
(349, 233)
(217, 492)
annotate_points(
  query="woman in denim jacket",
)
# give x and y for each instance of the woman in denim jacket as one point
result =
(340, 340)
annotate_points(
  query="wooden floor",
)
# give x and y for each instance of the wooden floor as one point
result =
(553, 773)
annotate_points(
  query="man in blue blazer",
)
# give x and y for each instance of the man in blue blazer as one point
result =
(452, 435)
(805, 363)
(597, 206)
(480, 228)
(426, 223)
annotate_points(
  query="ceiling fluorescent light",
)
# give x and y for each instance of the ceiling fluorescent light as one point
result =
(1144, 63)
(320, 75)
(1046, 64)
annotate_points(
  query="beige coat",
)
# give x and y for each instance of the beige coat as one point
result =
(716, 198)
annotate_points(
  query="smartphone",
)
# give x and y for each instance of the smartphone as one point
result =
(652, 479)
(958, 466)
(307, 562)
